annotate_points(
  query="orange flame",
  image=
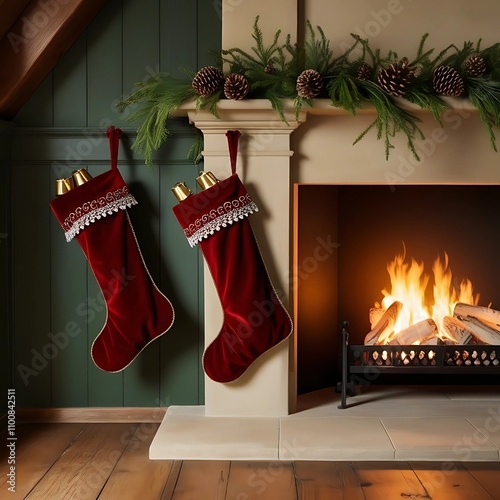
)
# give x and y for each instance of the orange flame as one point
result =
(409, 284)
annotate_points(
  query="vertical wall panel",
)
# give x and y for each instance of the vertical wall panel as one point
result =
(68, 294)
(37, 112)
(31, 285)
(70, 86)
(209, 40)
(141, 378)
(141, 50)
(180, 359)
(5, 241)
(178, 36)
(104, 65)
(140, 60)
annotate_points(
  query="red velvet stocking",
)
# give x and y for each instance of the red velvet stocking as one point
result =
(137, 312)
(254, 318)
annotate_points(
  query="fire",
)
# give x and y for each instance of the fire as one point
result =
(409, 284)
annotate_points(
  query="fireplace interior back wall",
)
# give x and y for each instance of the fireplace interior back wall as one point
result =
(370, 224)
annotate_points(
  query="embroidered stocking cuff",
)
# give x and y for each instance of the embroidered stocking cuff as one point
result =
(201, 215)
(102, 196)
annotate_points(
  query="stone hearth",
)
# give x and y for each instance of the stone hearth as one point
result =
(383, 423)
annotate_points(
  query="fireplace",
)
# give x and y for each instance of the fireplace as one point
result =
(347, 234)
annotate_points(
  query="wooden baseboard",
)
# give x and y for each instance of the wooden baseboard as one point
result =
(89, 415)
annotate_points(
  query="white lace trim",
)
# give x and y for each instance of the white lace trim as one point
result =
(229, 212)
(92, 211)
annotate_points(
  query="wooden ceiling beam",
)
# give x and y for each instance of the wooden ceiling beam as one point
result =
(10, 10)
(35, 43)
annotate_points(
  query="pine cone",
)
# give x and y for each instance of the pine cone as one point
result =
(269, 68)
(236, 86)
(396, 78)
(309, 84)
(475, 65)
(364, 72)
(208, 81)
(448, 81)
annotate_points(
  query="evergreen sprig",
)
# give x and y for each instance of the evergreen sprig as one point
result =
(159, 97)
(344, 93)
(390, 120)
(421, 92)
(318, 55)
(485, 96)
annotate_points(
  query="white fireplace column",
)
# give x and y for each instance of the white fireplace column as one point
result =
(267, 388)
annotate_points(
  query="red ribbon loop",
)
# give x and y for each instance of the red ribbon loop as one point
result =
(114, 134)
(232, 142)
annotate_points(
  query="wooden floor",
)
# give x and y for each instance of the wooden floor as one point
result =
(110, 461)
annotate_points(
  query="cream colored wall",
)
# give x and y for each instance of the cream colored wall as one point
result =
(459, 152)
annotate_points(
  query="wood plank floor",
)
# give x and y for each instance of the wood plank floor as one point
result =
(110, 461)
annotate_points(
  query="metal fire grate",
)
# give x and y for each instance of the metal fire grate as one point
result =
(362, 362)
(439, 356)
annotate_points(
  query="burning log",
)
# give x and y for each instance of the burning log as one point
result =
(418, 332)
(457, 331)
(385, 326)
(375, 314)
(432, 341)
(483, 313)
(485, 332)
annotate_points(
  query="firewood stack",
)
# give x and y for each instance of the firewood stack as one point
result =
(469, 324)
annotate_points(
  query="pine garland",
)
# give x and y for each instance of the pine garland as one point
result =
(273, 71)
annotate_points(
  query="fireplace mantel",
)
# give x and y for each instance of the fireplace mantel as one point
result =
(265, 166)
(252, 111)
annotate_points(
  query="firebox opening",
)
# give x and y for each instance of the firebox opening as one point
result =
(346, 235)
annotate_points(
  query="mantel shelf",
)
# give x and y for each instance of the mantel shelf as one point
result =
(258, 109)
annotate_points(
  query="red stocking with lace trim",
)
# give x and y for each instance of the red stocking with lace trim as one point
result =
(254, 318)
(95, 213)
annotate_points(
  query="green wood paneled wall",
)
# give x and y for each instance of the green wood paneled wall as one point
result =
(57, 305)
(6, 130)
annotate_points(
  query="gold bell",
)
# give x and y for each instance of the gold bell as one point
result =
(206, 180)
(81, 177)
(64, 185)
(181, 191)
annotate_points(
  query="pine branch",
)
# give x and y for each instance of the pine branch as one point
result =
(276, 103)
(209, 102)
(158, 97)
(390, 119)
(265, 54)
(485, 96)
(344, 93)
(196, 149)
(457, 59)
(317, 52)
(427, 100)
